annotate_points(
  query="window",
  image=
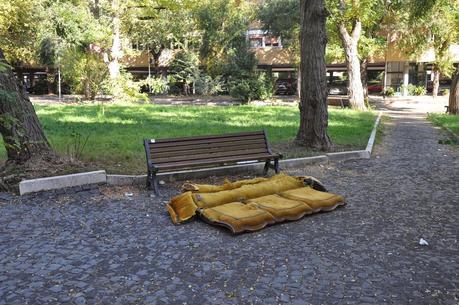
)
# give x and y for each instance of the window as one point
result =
(256, 42)
(271, 41)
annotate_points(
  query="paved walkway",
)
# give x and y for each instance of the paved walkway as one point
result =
(95, 246)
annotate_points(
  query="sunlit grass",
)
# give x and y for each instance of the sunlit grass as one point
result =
(445, 120)
(116, 132)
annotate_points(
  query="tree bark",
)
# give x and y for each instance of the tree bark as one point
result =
(20, 128)
(436, 81)
(364, 78)
(115, 52)
(350, 44)
(454, 95)
(50, 74)
(312, 132)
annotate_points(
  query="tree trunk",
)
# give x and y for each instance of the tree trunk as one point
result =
(313, 93)
(87, 89)
(436, 81)
(22, 133)
(298, 83)
(364, 78)
(350, 43)
(454, 94)
(50, 75)
(115, 52)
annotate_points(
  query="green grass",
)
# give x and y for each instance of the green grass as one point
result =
(445, 120)
(115, 136)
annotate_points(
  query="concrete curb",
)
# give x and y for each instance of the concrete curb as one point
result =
(58, 182)
(372, 139)
(348, 155)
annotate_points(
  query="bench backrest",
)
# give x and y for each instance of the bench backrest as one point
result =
(194, 150)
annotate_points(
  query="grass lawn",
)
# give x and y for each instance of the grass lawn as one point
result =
(445, 120)
(115, 136)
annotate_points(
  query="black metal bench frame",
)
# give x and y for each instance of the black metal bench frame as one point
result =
(177, 153)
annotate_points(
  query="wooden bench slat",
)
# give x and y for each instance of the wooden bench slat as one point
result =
(210, 156)
(207, 141)
(210, 137)
(213, 161)
(205, 150)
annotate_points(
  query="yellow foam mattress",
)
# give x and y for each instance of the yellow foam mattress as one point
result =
(249, 205)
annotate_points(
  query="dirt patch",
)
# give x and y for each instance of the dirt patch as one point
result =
(11, 173)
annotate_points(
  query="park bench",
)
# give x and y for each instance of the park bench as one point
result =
(168, 155)
(341, 101)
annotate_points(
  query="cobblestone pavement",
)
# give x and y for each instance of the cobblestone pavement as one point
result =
(95, 245)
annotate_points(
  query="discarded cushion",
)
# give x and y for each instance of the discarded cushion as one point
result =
(238, 217)
(181, 207)
(278, 183)
(282, 208)
(249, 205)
(227, 185)
(317, 200)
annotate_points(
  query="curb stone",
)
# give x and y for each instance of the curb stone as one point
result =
(58, 182)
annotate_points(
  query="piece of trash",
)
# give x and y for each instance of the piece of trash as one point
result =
(423, 242)
(161, 182)
(128, 194)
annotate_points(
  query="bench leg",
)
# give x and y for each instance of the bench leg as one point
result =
(266, 168)
(152, 183)
(276, 166)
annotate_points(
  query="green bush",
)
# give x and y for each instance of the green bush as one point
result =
(124, 89)
(420, 90)
(242, 89)
(389, 91)
(256, 87)
(265, 87)
(206, 85)
(444, 92)
(156, 85)
(416, 90)
(84, 72)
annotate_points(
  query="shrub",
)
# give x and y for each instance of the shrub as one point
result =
(241, 89)
(420, 90)
(416, 90)
(256, 87)
(265, 87)
(444, 92)
(389, 91)
(206, 85)
(184, 69)
(84, 72)
(125, 89)
(155, 85)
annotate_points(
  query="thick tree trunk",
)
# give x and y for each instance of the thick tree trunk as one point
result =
(364, 78)
(298, 83)
(22, 133)
(115, 52)
(313, 101)
(350, 43)
(436, 81)
(454, 95)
